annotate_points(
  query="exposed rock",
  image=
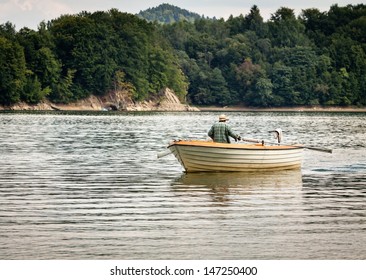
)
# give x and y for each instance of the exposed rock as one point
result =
(43, 106)
(91, 103)
(166, 100)
(170, 102)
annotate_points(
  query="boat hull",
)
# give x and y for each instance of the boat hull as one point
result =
(204, 156)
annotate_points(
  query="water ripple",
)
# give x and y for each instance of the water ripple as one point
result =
(81, 186)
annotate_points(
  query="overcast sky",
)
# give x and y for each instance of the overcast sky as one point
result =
(30, 13)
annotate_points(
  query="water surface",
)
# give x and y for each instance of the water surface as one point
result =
(90, 186)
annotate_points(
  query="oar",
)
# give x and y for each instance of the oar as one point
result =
(319, 149)
(165, 153)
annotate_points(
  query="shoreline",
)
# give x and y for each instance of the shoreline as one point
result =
(282, 109)
(184, 108)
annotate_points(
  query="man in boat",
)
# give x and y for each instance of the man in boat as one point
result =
(221, 131)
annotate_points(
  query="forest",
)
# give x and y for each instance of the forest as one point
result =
(316, 58)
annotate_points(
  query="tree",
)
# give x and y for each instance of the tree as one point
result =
(254, 22)
(247, 75)
(286, 30)
(234, 50)
(211, 88)
(303, 62)
(283, 91)
(33, 92)
(261, 96)
(12, 71)
(63, 91)
(314, 22)
(43, 67)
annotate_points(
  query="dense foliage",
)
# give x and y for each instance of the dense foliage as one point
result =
(90, 53)
(318, 58)
(167, 14)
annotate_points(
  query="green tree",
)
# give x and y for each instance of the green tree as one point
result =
(254, 22)
(247, 75)
(303, 63)
(234, 50)
(286, 30)
(283, 91)
(12, 71)
(261, 96)
(33, 92)
(168, 14)
(211, 88)
(43, 67)
(63, 91)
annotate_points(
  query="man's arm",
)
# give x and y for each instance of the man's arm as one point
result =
(211, 132)
(232, 134)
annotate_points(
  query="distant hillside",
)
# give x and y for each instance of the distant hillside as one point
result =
(166, 14)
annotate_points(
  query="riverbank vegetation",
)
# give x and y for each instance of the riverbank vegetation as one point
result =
(317, 58)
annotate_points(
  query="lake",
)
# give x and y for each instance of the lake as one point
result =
(90, 186)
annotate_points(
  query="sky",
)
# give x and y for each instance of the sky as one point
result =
(29, 13)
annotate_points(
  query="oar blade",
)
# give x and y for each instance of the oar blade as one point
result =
(165, 153)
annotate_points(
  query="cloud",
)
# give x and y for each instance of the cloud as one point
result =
(46, 7)
(30, 13)
(26, 5)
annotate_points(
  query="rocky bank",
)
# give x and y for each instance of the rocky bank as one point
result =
(165, 100)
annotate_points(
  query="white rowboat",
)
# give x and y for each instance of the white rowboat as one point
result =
(206, 156)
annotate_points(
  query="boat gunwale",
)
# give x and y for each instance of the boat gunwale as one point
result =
(254, 147)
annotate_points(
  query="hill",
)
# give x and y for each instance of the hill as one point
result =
(167, 14)
(315, 59)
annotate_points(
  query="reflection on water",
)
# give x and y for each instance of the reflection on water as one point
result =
(90, 187)
(226, 186)
(244, 180)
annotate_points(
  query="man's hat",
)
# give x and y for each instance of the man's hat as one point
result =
(223, 118)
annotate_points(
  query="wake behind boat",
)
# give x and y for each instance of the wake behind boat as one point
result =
(208, 156)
